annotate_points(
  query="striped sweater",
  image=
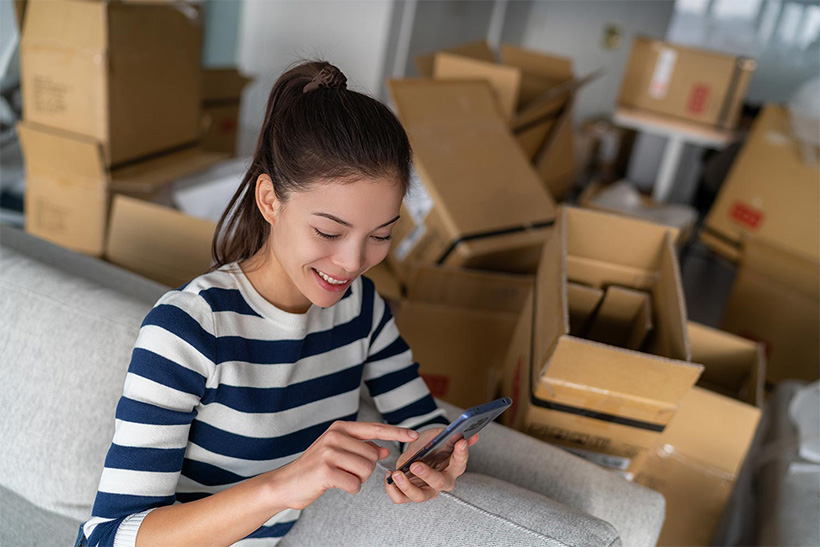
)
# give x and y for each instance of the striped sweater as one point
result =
(223, 386)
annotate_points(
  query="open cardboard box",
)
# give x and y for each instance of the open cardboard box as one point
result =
(694, 84)
(770, 193)
(775, 300)
(221, 94)
(125, 75)
(459, 324)
(699, 456)
(69, 188)
(476, 202)
(534, 91)
(607, 403)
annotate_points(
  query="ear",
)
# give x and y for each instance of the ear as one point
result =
(266, 198)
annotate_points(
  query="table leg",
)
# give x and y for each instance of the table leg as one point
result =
(669, 168)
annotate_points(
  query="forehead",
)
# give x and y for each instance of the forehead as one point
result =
(363, 200)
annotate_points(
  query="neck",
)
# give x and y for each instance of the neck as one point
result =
(271, 281)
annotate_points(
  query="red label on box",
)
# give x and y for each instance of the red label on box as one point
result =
(437, 384)
(745, 214)
(228, 125)
(698, 98)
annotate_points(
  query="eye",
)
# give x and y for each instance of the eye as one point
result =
(324, 235)
(385, 238)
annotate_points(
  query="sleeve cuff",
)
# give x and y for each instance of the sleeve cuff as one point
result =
(127, 531)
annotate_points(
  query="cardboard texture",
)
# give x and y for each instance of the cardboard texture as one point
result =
(458, 324)
(604, 400)
(694, 84)
(476, 202)
(386, 283)
(221, 94)
(775, 300)
(698, 457)
(69, 188)
(769, 193)
(534, 91)
(624, 318)
(126, 75)
(583, 302)
(157, 242)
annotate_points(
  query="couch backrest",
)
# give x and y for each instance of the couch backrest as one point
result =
(67, 327)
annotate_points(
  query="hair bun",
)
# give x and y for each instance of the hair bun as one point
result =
(329, 76)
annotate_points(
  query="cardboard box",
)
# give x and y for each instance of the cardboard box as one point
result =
(221, 93)
(126, 75)
(534, 91)
(476, 202)
(770, 193)
(694, 84)
(158, 242)
(607, 403)
(775, 300)
(702, 450)
(624, 318)
(69, 188)
(458, 324)
(386, 283)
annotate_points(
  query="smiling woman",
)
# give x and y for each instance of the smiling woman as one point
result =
(241, 398)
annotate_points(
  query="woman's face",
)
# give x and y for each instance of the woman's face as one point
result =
(326, 236)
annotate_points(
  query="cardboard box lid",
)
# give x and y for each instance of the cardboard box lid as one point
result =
(56, 154)
(79, 24)
(489, 291)
(474, 50)
(770, 192)
(735, 366)
(158, 242)
(714, 430)
(469, 161)
(504, 80)
(222, 84)
(145, 178)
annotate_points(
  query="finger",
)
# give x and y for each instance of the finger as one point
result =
(341, 440)
(396, 495)
(338, 478)
(435, 479)
(381, 452)
(351, 463)
(458, 460)
(413, 492)
(472, 440)
(367, 431)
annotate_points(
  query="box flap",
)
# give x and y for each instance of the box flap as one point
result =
(475, 50)
(463, 149)
(472, 289)
(147, 177)
(549, 296)
(713, 429)
(58, 154)
(735, 366)
(138, 239)
(223, 84)
(537, 63)
(623, 319)
(583, 301)
(68, 23)
(504, 80)
(671, 338)
(603, 368)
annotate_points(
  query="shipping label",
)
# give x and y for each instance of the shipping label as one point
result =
(664, 67)
(745, 214)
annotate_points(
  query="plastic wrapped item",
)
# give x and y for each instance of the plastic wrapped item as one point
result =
(207, 193)
(804, 114)
(804, 411)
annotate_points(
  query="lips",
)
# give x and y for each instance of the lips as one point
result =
(331, 283)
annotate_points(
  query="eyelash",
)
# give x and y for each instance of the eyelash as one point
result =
(334, 236)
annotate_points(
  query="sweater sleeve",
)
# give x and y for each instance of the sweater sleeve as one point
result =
(173, 357)
(392, 376)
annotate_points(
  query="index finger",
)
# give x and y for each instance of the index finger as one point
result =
(367, 431)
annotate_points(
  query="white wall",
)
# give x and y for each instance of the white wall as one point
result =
(273, 34)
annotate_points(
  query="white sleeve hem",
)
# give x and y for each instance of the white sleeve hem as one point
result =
(127, 532)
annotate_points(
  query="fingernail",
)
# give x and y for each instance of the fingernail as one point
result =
(417, 469)
(399, 478)
(414, 434)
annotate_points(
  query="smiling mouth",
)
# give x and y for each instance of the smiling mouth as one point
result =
(331, 280)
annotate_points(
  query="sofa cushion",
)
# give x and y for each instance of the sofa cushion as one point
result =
(23, 524)
(66, 344)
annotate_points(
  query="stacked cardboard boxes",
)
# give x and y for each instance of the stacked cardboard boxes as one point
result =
(112, 106)
(534, 92)
(221, 92)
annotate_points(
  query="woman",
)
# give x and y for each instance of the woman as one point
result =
(240, 403)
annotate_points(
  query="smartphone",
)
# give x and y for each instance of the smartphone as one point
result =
(437, 452)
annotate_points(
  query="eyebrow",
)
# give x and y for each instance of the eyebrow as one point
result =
(347, 224)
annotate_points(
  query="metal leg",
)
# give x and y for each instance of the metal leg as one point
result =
(669, 168)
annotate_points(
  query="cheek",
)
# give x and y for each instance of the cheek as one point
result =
(376, 253)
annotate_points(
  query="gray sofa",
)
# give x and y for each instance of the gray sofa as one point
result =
(68, 325)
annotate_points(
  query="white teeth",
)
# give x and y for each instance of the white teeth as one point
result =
(330, 279)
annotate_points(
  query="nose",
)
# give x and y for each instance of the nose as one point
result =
(350, 256)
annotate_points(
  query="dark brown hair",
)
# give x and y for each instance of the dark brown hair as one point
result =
(329, 133)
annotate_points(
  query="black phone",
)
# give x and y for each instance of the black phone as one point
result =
(437, 452)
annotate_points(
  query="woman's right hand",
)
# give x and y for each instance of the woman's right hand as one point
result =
(342, 457)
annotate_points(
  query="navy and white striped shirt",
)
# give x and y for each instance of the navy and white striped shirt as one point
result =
(223, 386)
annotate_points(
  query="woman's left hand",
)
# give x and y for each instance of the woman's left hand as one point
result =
(432, 482)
